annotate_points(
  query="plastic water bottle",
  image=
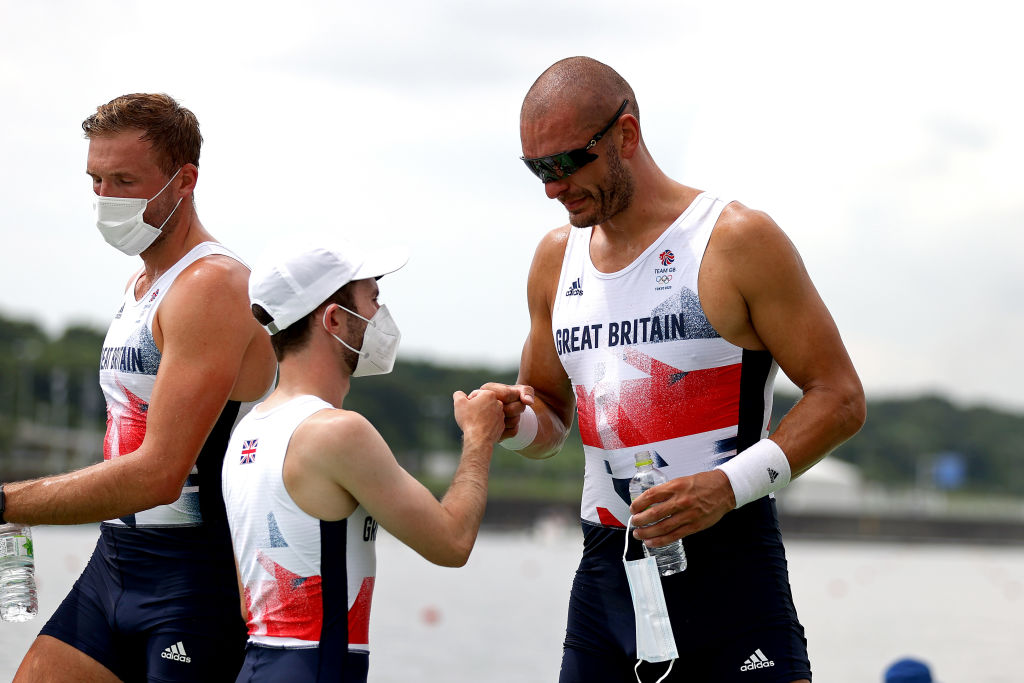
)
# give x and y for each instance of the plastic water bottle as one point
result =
(671, 558)
(18, 600)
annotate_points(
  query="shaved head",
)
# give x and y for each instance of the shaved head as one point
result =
(594, 90)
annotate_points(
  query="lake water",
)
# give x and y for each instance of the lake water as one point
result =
(501, 618)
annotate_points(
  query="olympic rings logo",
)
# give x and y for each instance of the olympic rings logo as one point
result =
(663, 279)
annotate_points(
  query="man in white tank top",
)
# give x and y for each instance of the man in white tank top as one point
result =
(659, 315)
(306, 482)
(182, 358)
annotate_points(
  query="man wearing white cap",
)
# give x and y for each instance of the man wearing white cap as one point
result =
(306, 483)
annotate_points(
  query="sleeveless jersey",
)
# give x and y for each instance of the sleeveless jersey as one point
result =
(648, 370)
(128, 368)
(306, 581)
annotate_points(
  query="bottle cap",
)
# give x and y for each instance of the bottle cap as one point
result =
(643, 458)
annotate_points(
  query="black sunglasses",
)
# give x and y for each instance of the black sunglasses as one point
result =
(557, 166)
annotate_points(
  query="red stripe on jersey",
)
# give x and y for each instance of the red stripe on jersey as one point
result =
(608, 519)
(359, 614)
(290, 606)
(129, 427)
(666, 405)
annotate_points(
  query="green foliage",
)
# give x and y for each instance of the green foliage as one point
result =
(48, 380)
(901, 435)
(54, 382)
(412, 406)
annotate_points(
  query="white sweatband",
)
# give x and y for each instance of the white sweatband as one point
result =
(761, 469)
(526, 433)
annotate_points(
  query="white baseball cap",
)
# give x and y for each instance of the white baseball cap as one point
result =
(290, 283)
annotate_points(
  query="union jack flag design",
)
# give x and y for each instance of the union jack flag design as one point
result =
(248, 451)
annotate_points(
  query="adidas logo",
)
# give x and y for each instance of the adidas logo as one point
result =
(176, 652)
(772, 475)
(756, 661)
(575, 289)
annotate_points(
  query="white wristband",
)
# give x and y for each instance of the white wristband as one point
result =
(526, 433)
(761, 469)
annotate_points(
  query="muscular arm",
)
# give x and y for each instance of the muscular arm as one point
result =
(758, 295)
(205, 328)
(337, 460)
(786, 316)
(542, 381)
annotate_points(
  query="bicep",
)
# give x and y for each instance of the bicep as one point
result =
(189, 394)
(204, 333)
(797, 328)
(791, 319)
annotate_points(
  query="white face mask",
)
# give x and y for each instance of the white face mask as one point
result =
(654, 639)
(380, 343)
(119, 220)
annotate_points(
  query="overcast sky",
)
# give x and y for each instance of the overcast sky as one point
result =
(884, 137)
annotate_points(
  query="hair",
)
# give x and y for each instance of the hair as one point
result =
(596, 91)
(296, 336)
(171, 129)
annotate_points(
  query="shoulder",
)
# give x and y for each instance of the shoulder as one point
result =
(214, 284)
(547, 259)
(750, 256)
(547, 265)
(745, 242)
(209, 299)
(551, 248)
(216, 271)
(339, 445)
(336, 431)
(740, 227)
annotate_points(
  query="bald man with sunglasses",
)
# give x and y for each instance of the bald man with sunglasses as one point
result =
(660, 315)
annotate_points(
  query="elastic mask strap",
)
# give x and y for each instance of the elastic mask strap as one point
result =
(629, 525)
(356, 315)
(165, 186)
(170, 214)
(636, 671)
(343, 342)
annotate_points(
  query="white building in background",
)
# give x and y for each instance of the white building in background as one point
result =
(833, 485)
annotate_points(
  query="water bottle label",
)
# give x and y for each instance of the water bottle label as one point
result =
(16, 546)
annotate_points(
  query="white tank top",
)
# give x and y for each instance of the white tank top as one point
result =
(304, 579)
(648, 370)
(128, 367)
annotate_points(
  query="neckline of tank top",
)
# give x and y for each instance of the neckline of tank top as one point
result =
(157, 281)
(635, 263)
(260, 413)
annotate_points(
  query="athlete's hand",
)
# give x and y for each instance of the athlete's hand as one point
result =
(479, 415)
(514, 398)
(688, 504)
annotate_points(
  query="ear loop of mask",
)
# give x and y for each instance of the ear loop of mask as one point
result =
(161, 228)
(359, 353)
(636, 668)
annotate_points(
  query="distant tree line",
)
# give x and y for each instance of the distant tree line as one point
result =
(51, 385)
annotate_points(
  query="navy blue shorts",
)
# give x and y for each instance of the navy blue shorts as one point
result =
(732, 609)
(156, 605)
(302, 665)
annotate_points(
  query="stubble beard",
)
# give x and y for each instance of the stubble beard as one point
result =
(351, 357)
(614, 195)
(163, 210)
